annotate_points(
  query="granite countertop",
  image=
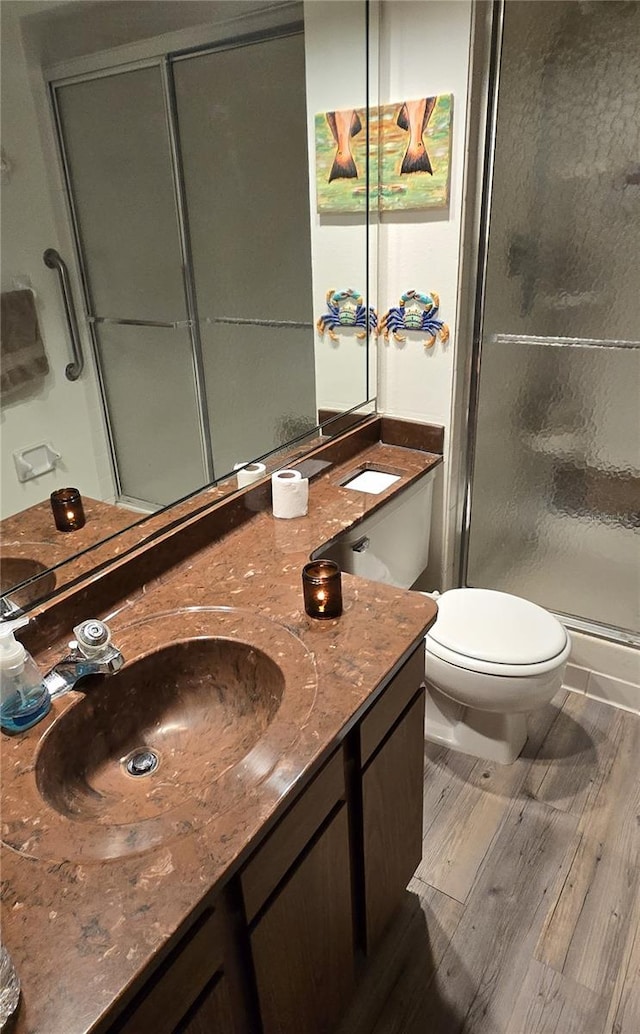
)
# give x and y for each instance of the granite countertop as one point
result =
(82, 926)
(31, 535)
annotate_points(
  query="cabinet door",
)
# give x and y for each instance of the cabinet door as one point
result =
(303, 944)
(392, 792)
(212, 1013)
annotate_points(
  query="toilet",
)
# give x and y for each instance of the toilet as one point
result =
(490, 657)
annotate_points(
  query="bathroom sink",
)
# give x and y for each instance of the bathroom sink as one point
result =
(15, 569)
(173, 740)
(150, 736)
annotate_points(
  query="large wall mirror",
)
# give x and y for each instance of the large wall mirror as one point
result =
(186, 145)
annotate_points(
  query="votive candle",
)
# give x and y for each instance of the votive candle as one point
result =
(68, 511)
(322, 589)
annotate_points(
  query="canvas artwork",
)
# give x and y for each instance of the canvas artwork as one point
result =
(409, 156)
(341, 165)
(415, 153)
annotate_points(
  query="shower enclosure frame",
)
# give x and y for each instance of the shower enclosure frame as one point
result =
(482, 112)
(164, 63)
(91, 317)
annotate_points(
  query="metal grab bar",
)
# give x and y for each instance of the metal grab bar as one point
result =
(53, 261)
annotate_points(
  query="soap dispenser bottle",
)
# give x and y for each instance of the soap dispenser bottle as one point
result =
(24, 699)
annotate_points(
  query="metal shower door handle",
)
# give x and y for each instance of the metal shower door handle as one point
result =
(53, 260)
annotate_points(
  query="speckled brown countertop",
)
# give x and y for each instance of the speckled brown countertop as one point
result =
(81, 929)
(32, 535)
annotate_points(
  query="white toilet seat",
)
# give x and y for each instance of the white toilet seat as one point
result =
(495, 633)
(474, 664)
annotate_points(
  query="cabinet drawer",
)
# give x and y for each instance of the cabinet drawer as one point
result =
(264, 871)
(175, 985)
(402, 688)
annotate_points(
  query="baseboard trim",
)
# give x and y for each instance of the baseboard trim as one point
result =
(605, 688)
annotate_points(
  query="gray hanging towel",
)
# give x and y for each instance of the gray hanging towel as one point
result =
(21, 349)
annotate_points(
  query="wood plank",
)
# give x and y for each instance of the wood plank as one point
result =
(445, 774)
(624, 1011)
(486, 962)
(552, 1004)
(587, 928)
(457, 842)
(442, 915)
(460, 834)
(575, 756)
(612, 815)
(405, 962)
(589, 925)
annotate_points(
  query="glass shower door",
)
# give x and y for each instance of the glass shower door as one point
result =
(555, 487)
(244, 156)
(117, 154)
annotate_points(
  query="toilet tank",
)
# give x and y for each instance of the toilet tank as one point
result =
(392, 545)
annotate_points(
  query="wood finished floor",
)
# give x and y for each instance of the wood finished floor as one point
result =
(524, 915)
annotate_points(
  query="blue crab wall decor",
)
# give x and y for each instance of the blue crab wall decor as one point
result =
(416, 311)
(346, 310)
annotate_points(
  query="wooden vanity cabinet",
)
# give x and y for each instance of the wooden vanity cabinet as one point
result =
(275, 953)
(302, 946)
(191, 991)
(297, 894)
(392, 795)
(212, 1011)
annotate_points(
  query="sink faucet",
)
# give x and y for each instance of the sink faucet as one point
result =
(91, 654)
(9, 609)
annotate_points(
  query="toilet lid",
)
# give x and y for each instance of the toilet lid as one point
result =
(496, 627)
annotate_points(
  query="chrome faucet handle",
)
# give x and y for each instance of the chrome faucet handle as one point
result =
(91, 653)
(92, 637)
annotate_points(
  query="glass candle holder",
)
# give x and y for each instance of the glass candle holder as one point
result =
(68, 512)
(322, 589)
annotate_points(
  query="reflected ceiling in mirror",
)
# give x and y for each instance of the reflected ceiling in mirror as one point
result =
(199, 257)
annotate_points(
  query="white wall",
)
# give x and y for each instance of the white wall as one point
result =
(424, 50)
(57, 411)
(336, 80)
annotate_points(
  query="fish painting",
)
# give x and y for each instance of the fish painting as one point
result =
(414, 117)
(343, 125)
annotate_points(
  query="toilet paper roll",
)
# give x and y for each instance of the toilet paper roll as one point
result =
(290, 494)
(248, 473)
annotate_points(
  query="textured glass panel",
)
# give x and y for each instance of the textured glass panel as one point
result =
(243, 132)
(117, 148)
(148, 377)
(565, 218)
(556, 480)
(260, 389)
(556, 491)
